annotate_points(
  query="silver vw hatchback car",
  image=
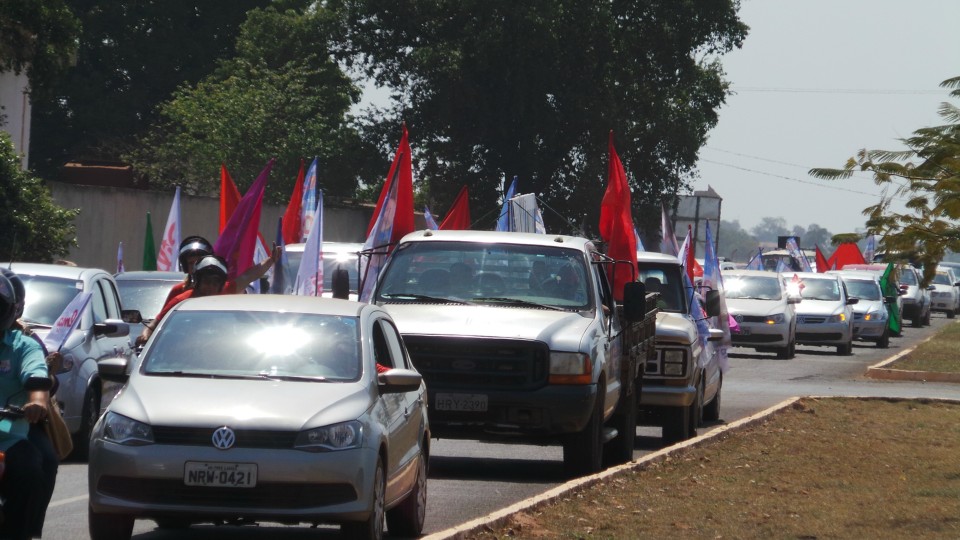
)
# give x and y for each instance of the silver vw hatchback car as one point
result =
(764, 311)
(249, 408)
(870, 320)
(825, 316)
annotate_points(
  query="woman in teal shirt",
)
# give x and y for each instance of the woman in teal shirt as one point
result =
(31, 463)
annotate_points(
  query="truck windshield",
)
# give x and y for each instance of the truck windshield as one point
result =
(506, 274)
(666, 280)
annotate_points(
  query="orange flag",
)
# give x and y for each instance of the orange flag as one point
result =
(229, 196)
(616, 222)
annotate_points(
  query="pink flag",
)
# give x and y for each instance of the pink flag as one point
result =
(238, 239)
(167, 255)
(668, 244)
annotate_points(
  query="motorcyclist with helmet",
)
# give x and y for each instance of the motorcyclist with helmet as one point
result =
(192, 249)
(31, 461)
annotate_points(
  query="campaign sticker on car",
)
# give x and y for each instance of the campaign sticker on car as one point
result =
(461, 402)
(207, 474)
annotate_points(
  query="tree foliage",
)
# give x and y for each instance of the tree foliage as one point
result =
(281, 96)
(39, 37)
(490, 90)
(735, 243)
(131, 57)
(34, 227)
(927, 173)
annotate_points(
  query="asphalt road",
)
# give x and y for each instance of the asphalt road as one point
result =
(470, 479)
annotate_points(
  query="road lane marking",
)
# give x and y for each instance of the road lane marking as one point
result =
(71, 500)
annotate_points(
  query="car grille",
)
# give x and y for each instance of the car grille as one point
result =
(468, 363)
(750, 318)
(811, 319)
(858, 316)
(246, 438)
(264, 495)
(809, 336)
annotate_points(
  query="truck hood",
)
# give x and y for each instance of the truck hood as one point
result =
(494, 322)
(675, 328)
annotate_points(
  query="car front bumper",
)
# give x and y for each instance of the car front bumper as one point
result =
(824, 333)
(761, 335)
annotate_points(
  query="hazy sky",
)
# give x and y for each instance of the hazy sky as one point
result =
(815, 81)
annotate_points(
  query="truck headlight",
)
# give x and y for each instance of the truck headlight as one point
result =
(117, 428)
(674, 362)
(570, 368)
(342, 436)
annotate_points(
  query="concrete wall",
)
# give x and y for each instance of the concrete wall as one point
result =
(110, 215)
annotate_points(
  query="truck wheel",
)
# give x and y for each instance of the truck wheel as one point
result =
(583, 451)
(696, 412)
(951, 313)
(620, 449)
(711, 412)
(676, 426)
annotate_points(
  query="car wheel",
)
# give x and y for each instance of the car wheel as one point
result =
(711, 411)
(676, 426)
(696, 412)
(109, 526)
(407, 518)
(917, 321)
(884, 340)
(787, 352)
(620, 449)
(583, 451)
(926, 319)
(845, 350)
(372, 527)
(951, 314)
(88, 417)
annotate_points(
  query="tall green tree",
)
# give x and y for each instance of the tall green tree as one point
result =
(927, 173)
(281, 96)
(131, 56)
(39, 38)
(770, 228)
(490, 90)
(33, 227)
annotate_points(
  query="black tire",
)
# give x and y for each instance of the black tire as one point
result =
(846, 349)
(109, 526)
(372, 527)
(407, 518)
(620, 449)
(696, 412)
(788, 352)
(951, 313)
(917, 321)
(676, 427)
(172, 524)
(926, 319)
(88, 417)
(884, 340)
(711, 411)
(583, 451)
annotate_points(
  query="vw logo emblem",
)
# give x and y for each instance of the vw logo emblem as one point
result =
(738, 318)
(224, 438)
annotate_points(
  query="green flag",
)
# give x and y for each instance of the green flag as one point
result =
(889, 289)
(149, 250)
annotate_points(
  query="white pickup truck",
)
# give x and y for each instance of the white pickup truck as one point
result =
(519, 339)
(681, 387)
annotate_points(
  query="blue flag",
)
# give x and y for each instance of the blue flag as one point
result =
(428, 217)
(503, 222)
(756, 262)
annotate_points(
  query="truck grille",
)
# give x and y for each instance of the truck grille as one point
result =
(469, 363)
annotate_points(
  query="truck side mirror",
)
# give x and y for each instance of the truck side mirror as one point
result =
(634, 301)
(341, 283)
(712, 301)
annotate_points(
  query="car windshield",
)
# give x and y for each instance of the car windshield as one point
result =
(820, 289)
(863, 289)
(908, 277)
(255, 345)
(752, 287)
(144, 295)
(47, 297)
(667, 280)
(941, 279)
(331, 261)
(506, 274)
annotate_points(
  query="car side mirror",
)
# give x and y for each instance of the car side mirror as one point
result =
(111, 328)
(634, 301)
(712, 301)
(131, 316)
(113, 369)
(399, 381)
(852, 300)
(341, 283)
(957, 284)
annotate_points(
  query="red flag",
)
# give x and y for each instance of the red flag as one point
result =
(616, 222)
(403, 219)
(846, 253)
(238, 240)
(229, 196)
(694, 270)
(822, 264)
(458, 218)
(291, 217)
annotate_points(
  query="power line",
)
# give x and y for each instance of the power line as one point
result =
(860, 91)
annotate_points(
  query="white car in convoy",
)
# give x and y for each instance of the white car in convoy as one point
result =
(336, 256)
(945, 296)
(870, 319)
(764, 311)
(825, 316)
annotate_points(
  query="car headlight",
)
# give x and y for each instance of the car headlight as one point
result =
(775, 319)
(674, 362)
(570, 368)
(119, 429)
(842, 317)
(880, 315)
(328, 438)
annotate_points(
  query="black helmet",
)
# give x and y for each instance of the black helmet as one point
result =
(8, 304)
(211, 265)
(18, 289)
(193, 246)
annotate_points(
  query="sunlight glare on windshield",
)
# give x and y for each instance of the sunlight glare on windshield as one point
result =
(278, 340)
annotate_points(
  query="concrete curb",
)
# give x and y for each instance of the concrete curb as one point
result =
(501, 517)
(880, 371)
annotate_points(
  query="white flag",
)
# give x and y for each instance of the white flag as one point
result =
(168, 254)
(66, 322)
(310, 273)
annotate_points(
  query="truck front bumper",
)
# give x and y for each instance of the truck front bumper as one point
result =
(661, 395)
